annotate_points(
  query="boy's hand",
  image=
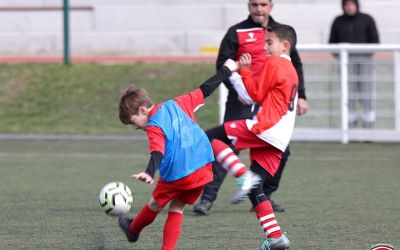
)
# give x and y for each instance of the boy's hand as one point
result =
(244, 60)
(143, 176)
(302, 106)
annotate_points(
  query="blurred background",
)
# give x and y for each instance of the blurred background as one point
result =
(34, 27)
(185, 31)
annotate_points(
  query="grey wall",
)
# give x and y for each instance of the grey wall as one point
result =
(164, 26)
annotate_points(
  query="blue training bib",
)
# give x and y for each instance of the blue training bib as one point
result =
(187, 146)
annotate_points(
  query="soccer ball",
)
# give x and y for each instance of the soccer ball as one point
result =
(115, 198)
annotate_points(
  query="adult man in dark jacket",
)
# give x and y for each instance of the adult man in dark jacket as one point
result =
(248, 36)
(357, 27)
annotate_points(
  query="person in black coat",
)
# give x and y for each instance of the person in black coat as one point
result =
(354, 26)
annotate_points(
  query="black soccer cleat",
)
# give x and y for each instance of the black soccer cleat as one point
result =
(277, 207)
(125, 224)
(203, 207)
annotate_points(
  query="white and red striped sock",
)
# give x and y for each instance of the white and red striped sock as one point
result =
(267, 219)
(227, 158)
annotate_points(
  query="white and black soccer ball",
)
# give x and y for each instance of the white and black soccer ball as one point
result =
(116, 198)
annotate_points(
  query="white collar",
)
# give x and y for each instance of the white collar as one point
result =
(286, 56)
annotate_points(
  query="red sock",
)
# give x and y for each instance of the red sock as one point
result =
(145, 217)
(172, 230)
(227, 158)
(267, 219)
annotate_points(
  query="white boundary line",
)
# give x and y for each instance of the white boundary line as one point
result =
(72, 137)
(72, 154)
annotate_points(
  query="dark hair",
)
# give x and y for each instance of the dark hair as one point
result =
(130, 102)
(354, 1)
(284, 32)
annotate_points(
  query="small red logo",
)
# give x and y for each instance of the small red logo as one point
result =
(382, 247)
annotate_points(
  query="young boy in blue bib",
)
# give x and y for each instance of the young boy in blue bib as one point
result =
(179, 149)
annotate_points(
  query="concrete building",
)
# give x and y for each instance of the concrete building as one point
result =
(35, 27)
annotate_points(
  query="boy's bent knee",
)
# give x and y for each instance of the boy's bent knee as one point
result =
(175, 210)
(153, 205)
(176, 206)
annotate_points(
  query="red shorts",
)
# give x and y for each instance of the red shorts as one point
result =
(187, 189)
(163, 194)
(261, 151)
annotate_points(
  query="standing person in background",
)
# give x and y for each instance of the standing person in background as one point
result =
(356, 27)
(248, 36)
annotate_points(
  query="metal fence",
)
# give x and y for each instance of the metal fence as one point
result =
(353, 93)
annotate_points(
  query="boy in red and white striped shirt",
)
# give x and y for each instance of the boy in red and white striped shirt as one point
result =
(268, 134)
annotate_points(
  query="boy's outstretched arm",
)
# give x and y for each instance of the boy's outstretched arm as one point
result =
(212, 83)
(148, 175)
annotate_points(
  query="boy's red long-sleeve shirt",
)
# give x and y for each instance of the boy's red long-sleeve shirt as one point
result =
(275, 89)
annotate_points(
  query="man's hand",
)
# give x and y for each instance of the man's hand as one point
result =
(302, 106)
(244, 60)
(143, 176)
